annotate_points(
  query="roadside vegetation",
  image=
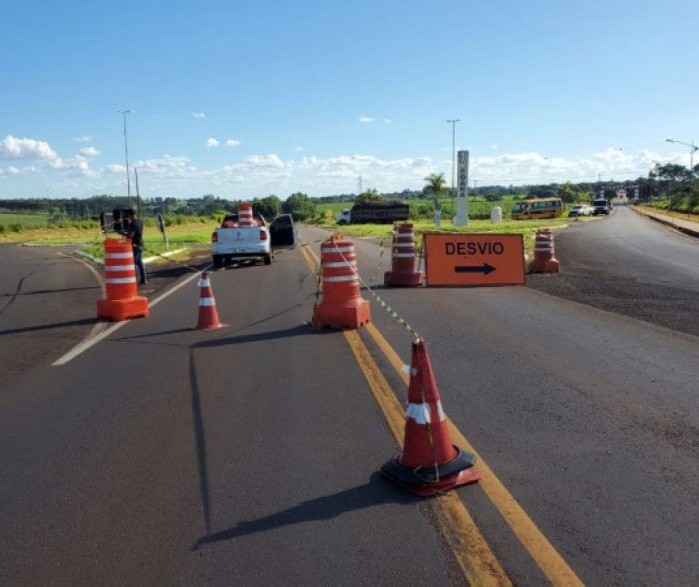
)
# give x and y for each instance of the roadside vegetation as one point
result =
(671, 188)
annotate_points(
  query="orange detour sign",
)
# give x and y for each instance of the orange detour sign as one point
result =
(473, 259)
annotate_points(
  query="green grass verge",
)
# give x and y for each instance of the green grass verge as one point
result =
(195, 234)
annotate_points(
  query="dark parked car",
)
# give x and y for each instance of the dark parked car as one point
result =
(601, 206)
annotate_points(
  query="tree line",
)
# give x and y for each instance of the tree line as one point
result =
(672, 182)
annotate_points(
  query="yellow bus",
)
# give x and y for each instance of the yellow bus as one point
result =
(537, 208)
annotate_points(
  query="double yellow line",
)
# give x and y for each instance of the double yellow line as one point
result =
(471, 551)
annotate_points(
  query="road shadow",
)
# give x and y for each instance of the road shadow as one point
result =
(33, 292)
(40, 327)
(200, 442)
(299, 330)
(377, 491)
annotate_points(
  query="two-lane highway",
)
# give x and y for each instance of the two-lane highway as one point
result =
(248, 454)
(245, 455)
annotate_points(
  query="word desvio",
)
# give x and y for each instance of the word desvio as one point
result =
(474, 248)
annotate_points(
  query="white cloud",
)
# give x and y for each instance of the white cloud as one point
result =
(299, 149)
(533, 168)
(388, 121)
(198, 115)
(366, 119)
(232, 143)
(211, 143)
(89, 152)
(166, 164)
(84, 139)
(12, 148)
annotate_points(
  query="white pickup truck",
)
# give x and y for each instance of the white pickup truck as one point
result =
(231, 241)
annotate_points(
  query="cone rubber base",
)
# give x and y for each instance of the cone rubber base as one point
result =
(552, 266)
(406, 279)
(118, 310)
(211, 327)
(354, 314)
(425, 482)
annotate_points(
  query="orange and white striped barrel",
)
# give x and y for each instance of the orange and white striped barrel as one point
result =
(339, 267)
(120, 283)
(245, 215)
(340, 305)
(119, 269)
(544, 253)
(403, 258)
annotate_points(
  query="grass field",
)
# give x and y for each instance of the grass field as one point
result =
(196, 232)
(10, 221)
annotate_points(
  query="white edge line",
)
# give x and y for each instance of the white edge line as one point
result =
(86, 344)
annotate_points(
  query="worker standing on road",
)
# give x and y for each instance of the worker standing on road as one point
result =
(134, 233)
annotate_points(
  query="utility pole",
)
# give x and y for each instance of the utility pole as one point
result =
(126, 152)
(138, 193)
(453, 122)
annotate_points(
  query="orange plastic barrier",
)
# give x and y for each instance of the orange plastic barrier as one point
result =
(429, 463)
(245, 215)
(120, 283)
(544, 255)
(207, 318)
(403, 272)
(340, 305)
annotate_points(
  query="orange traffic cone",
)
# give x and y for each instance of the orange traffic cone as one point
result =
(122, 301)
(341, 304)
(208, 316)
(429, 463)
(403, 272)
(544, 254)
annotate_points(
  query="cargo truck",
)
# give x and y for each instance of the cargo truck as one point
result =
(374, 212)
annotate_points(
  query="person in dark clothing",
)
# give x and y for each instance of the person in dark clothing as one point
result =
(134, 233)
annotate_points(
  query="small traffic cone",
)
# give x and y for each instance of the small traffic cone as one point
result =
(429, 463)
(208, 315)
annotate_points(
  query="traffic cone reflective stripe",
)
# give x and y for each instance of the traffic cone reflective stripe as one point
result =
(421, 413)
(429, 462)
(208, 315)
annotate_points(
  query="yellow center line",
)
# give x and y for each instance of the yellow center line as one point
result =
(541, 550)
(471, 551)
(533, 540)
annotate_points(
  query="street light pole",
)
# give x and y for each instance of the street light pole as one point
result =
(692, 149)
(126, 153)
(453, 122)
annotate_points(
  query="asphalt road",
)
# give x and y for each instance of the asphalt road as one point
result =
(628, 264)
(248, 455)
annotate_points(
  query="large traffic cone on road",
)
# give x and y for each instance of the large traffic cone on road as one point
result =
(403, 272)
(429, 463)
(340, 305)
(208, 315)
(120, 283)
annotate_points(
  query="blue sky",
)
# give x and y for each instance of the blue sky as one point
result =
(245, 99)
